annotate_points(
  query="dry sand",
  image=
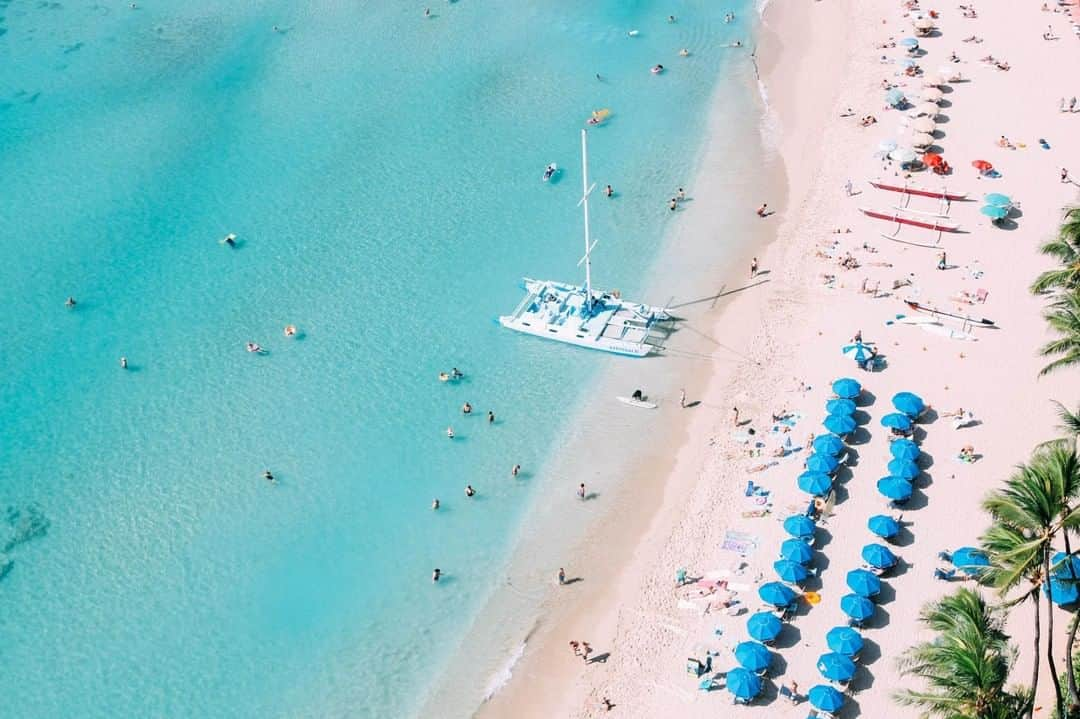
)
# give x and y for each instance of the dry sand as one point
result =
(817, 60)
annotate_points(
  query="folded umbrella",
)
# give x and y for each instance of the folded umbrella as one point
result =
(743, 684)
(844, 640)
(776, 594)
(764, 626)
(896, 420)
(836, 667)
(878, 555)
(841, 407)
(894, 488)
(858, 608)
(822, 463)
(904, 469)
(846, 388)
(823, 698)
(883, 526)
(863, 583)
(838, 424)
(904, 449)
(910, 404)
(790, 572)
(796, 550)
(830, 443)
(800, 526)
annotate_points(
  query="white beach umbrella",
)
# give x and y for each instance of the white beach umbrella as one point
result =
(932, 94)
(887, 146)
(927, 108)
(924, 23)
(933, 80)
(903, 154)
(924, 124)
(922, 140)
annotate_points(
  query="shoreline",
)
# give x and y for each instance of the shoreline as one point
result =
(633, 618)
(534, 678)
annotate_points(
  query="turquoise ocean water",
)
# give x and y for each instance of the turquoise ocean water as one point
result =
(382, 173)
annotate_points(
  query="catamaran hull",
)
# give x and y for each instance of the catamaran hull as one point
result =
(903, 189)
(913, 222)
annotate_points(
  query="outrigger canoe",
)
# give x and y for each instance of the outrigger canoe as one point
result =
(921, 192)
(928, 224)
(934, 311)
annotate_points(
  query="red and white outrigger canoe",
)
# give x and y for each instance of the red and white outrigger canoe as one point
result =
(896, 216)
(921, 192)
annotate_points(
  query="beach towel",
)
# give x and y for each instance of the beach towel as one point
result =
(741, 542)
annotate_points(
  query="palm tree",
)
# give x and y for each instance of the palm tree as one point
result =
(966, 666)
(1064, 319)
(1066, 250)
(1036, 507)
(1070, 421)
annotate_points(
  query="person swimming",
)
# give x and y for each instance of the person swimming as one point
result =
(435, 503)
(469, 491)
(684, 53)
(123, 363)
(466, 408)
(516, 470)
(436, 574)
(608, 191)
(290, 330)
(657, 69)
(450, 432)
(455, 373)
(230, 240)
(253, 347)
(268, 476)
(491, 417)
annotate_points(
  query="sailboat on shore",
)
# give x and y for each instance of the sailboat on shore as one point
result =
(582, 316)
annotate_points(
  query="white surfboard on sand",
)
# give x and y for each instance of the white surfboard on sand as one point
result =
(636, 402)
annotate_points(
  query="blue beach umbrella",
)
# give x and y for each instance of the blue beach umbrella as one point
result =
(883, 526)
(743, 684)
(822, 463)
(904, 469)
(844, 640)
(996, 199)
(776, 594)
(796, 550)
(1061, 592)
(840, 406)
(994, 213)
(880, 556)
(836, 667)
(815, 483)
(846, 388)
(894, 97)
(858, 608)
(754, 656)
(789, 571)
(800, 526)
(860, 352)
(896, 421)
(838, 424)
(824, 698)
(829, 444)
(894, 488)
(969, 560)
(863, 583)
(909, 42)
(908, 403)
(1059, 565)
(764, 626)
(908, 62)
(904, 449)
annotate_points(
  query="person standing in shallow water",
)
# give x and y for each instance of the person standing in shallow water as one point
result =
(581, 491)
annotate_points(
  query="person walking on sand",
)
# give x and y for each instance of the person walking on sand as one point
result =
(941, 264)
(562, 576)
(682, 398)
(763, 210)
(581, 491)
(848, 188)
(576, 646)
(735, 421)
(586, 650)
(753, 268)
(1064, 175)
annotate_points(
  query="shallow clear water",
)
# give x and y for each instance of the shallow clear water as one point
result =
(382, 172)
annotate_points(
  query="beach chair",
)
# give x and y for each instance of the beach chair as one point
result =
(943, 575)
(981, 295)
(786, 693)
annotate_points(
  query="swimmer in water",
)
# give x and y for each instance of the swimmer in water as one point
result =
(680, 195)
(516, 470)
(581, 491)
(466, 408)
(673, 204)
(290, 330)
(444, 377)
(671, 18)
(435, 503)
(123, 363)
(491, 417)
(450, 432)
(268, 476)
(469, 491)
(69, 302)
(684, 53)
(608, 191)
(436, 574)
(254, 347)
(455, 373)
(230, 240)
(427, 12)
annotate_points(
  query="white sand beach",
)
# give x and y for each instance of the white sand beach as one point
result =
(817, 60)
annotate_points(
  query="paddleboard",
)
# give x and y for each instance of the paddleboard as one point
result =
(917, 320)
(636, 402)
(939, 329)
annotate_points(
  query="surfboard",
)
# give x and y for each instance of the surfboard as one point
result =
(636, 402)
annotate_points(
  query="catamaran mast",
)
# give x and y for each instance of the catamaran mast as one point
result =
(585, 205)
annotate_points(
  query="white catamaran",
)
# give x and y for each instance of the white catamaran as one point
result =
(584, 317)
